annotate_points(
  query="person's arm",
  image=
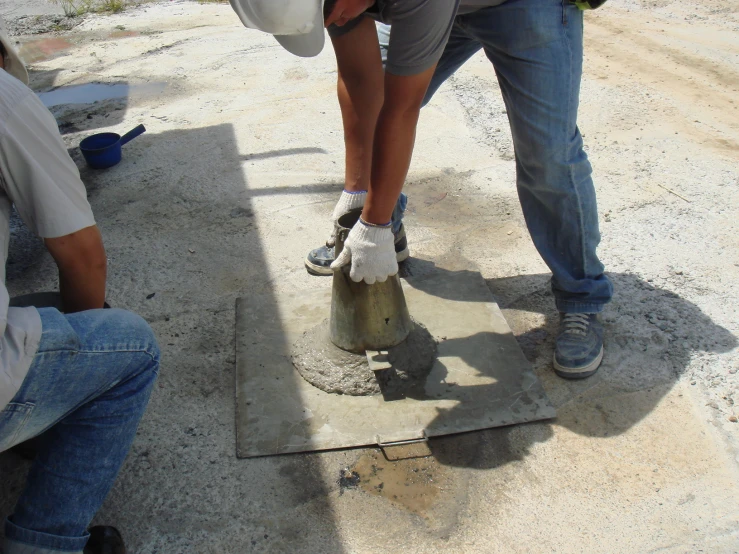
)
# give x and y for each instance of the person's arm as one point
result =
(395, 135)
(82, 263)
(380, 113)
(360, 91)
(43, 182)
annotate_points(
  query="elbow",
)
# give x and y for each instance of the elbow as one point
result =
(91, 261)
(405, 105)
(97, 261)
(407, 111)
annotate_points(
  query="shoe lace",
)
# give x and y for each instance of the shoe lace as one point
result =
(575, 324)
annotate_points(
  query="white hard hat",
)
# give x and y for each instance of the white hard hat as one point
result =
(296, 24)
(12, 62)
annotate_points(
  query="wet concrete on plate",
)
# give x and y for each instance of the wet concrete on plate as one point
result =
(336, 371)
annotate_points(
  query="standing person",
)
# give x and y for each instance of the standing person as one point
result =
(78, 380)
(536, 48)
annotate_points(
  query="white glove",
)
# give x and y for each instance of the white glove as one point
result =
(371, 251)
(348, 201)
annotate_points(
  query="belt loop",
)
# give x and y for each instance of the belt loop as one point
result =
(565, 3)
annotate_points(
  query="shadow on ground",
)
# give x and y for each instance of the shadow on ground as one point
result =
(650, 336)
(183, 243)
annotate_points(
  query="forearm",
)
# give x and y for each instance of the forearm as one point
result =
(82, 263)
(360, 90)
(360, 105)
(82, 287)
(395, 136)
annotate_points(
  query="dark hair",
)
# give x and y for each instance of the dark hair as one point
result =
(3, 52)
(328, 7)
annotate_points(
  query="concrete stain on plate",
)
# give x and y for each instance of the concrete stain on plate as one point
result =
(415, 485)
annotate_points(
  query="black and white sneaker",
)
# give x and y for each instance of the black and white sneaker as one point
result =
(318, 261)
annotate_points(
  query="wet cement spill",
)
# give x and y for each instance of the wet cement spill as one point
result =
(335, 371)
(96, 92)
(416, 485)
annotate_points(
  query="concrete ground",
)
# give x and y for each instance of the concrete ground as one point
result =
(234, 181)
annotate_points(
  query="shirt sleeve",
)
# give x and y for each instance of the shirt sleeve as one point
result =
(39, 176)
(418, 35)
(334, 31)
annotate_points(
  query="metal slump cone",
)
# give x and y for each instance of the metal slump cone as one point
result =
(365, 317)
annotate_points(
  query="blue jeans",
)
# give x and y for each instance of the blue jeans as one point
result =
(398, 211)
(536, 48)
(86, 391)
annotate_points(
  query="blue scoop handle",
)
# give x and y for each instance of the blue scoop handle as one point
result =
(132, 134)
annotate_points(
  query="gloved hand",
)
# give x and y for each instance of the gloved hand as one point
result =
(348, 201)
(371, 251)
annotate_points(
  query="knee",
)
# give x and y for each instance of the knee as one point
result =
(546, 164)
(134, 332)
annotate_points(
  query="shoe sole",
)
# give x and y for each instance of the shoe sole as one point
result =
(323, 271)
(579, 372)
(315, 269)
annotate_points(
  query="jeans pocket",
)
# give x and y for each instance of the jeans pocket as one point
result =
(12, 420)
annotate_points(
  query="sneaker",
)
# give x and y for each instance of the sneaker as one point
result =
(104, 540)
(318, 261)
(578, 351)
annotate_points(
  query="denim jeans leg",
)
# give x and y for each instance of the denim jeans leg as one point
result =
(536, 47)
(88, 387)
(398, 211)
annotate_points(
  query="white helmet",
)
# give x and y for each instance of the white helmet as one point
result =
(13, 63)
(296, 24)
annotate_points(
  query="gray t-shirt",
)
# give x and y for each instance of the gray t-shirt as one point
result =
(41, 180)
(420, 29)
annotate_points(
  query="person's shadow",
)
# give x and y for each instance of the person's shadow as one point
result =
(650, 335)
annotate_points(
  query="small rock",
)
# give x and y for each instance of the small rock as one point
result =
(733, 419)
(150, 296)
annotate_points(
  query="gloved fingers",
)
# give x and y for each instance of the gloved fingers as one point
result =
(344, 258)
(390, 270)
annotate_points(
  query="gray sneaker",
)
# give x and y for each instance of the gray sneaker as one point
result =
(318, 261)
(578, 350)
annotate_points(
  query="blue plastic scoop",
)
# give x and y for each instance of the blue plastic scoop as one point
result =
(104, 149)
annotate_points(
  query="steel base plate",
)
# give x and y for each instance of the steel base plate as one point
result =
(481, 378)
